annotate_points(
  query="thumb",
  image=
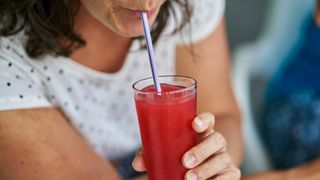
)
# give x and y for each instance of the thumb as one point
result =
(138, 162)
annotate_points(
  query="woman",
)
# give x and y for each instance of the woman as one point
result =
(67, 70)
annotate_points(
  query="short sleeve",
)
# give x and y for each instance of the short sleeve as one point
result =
(206, 16)
(19, 84)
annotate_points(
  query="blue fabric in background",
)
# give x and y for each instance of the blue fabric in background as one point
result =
(290, 124)
(125, 168)
(302, 71)
(291, 129)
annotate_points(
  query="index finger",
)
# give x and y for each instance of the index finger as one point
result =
(204, 123)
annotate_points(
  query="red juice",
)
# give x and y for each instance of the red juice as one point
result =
(165, 122)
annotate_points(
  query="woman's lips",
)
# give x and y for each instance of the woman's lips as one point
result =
(136, 13)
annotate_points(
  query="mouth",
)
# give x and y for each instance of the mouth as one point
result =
(137, 13)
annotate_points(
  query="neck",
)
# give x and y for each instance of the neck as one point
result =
(104, 50)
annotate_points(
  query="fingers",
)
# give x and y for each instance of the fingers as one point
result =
(138, 162)
(204, 122)
(209, 158)
(212, 144)
(212, 167)
(230, 173)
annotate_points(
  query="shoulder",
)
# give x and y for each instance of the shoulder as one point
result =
(205, 18)
(14, 61)
(12, 48)
(20, 80)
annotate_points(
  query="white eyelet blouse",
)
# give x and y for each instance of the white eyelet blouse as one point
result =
(99, 105)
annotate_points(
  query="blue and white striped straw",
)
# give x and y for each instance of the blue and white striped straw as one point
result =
(152, 60)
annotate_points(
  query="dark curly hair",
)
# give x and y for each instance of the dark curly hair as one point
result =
(49, 24)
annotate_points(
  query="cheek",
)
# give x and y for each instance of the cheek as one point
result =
(111, 14)
(100, 9)
(97, 7)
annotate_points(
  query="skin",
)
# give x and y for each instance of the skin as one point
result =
(100, 22)
(226, 121)
(112, 14)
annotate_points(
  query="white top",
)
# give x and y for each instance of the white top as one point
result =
(100, 105)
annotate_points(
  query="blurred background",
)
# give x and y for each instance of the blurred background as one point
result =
(245, 19)
(265, 35)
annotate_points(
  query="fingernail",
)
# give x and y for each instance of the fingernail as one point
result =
(198, 122)
(192, 176)
(190, 160)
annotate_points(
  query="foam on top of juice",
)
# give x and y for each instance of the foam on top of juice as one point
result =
(164, 87)
(170, 94)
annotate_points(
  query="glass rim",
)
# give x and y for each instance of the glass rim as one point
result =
(193, 85)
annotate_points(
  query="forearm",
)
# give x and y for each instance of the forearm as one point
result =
(211, 68)
(40, 144)
(230, 127)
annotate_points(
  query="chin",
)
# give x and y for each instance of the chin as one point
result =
(131, 26)
(130, 31)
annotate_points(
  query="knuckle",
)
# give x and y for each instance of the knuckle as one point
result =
(206, 148)
(225, 159)
(231, 173)
(211, 116)
(219, 139)
(203, 151)
(204, 172)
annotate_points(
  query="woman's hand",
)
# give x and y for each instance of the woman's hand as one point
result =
(209, 158)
